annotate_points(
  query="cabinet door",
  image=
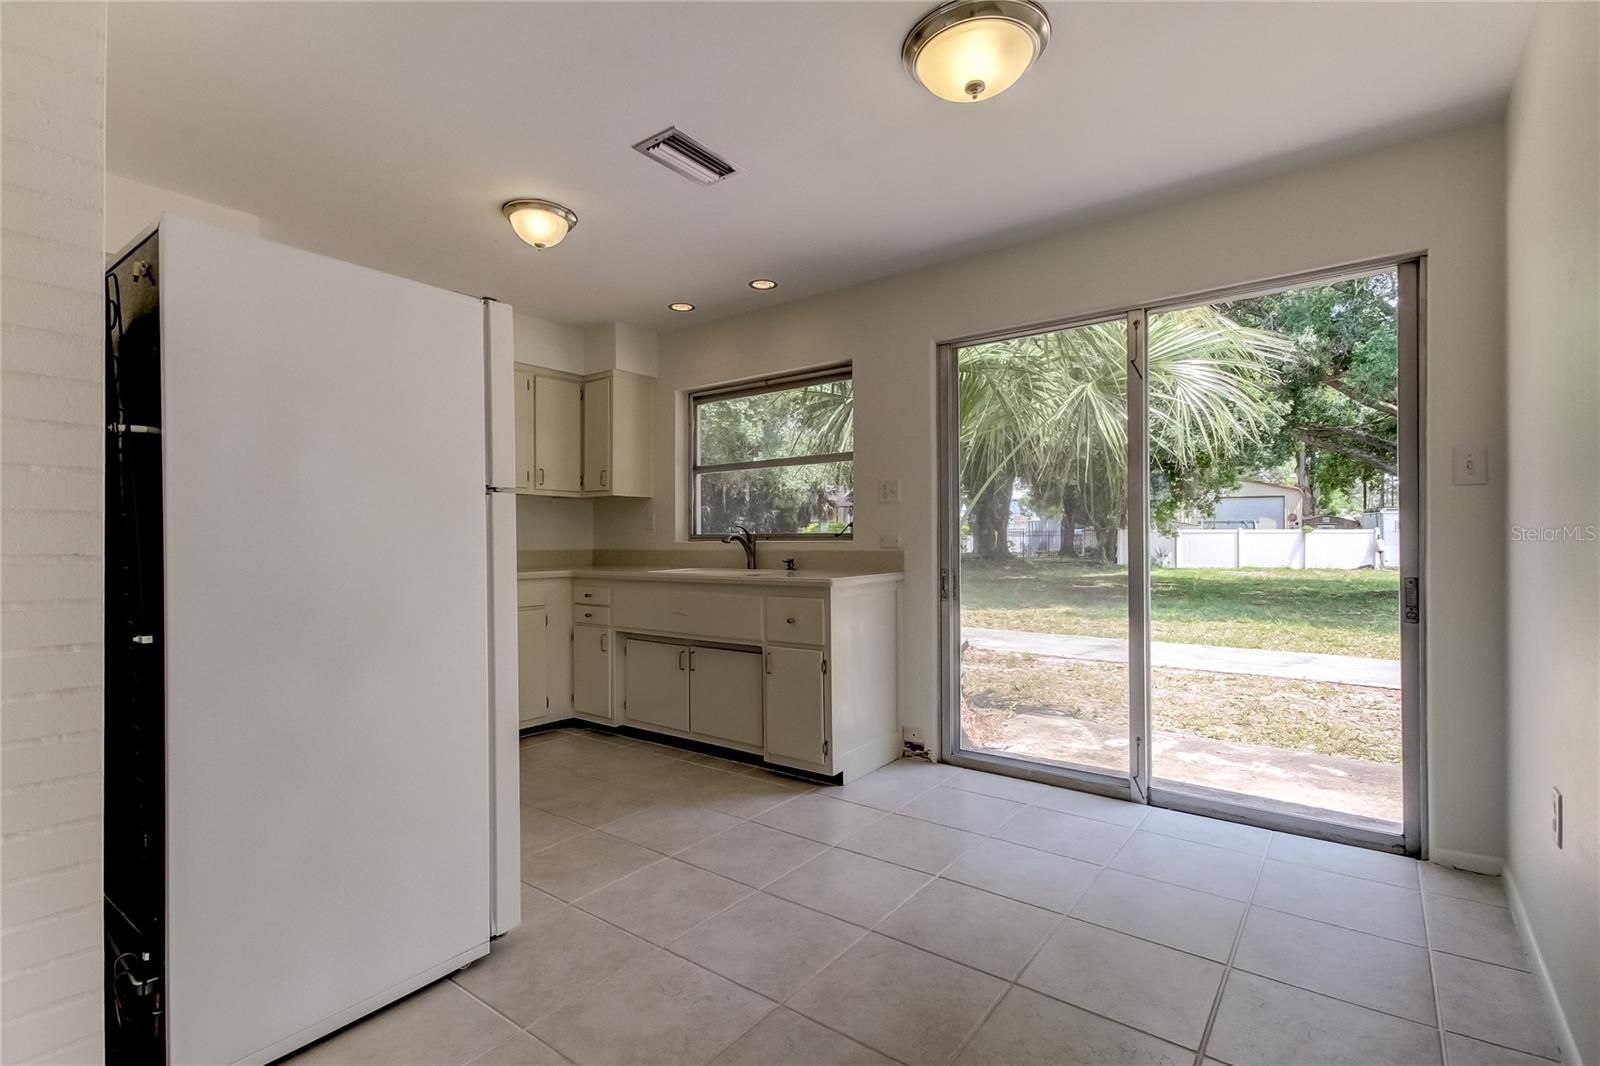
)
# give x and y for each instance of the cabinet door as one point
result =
(725, 695)
(558, 434)
(795, 705)
(524, 418)
(655, 679)
(597, 436)
(591, 671)
(533, 692)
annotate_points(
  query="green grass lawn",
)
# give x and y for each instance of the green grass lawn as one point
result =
(1336, 612)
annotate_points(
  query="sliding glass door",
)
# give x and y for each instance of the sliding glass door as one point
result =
(1042, 480)
(1235, 628)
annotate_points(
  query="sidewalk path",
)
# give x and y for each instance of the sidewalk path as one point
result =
(1295, 665)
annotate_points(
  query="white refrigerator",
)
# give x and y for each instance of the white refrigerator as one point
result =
(337, 637)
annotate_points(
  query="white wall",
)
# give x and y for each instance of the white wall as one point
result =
(132, 207)
(1553, 481)
(547, 344)
(52, 262)
(1443, 194)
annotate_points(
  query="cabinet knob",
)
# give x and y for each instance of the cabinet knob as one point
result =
(789, 620)
(588, 614)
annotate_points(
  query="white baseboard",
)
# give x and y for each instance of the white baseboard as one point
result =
(1570, 1055)
(1467, 860)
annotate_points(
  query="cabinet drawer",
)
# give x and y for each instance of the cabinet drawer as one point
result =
(590, 594)
(792, 620)
(585, 615)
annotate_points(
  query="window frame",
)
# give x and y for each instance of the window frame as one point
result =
(758, 387)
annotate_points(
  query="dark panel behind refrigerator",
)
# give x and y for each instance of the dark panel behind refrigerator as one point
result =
(135, 756)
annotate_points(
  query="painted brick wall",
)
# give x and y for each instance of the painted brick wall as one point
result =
(52, 163)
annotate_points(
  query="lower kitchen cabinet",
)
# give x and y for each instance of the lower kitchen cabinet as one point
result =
(655, 678)
(533, 664)
(796, 705)
(725, 695)
(591, 672)
(802, 674)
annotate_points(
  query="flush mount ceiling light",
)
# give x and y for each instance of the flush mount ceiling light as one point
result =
(680, 306)
(763, 284)
(542, 223)
(970, 50)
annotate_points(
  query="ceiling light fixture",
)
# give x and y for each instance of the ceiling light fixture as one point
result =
(763, 284)
(680, 306)
(542, 223)
(969, 50)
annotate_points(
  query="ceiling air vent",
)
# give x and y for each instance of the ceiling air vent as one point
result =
(678, 151)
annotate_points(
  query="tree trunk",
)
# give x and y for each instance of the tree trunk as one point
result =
(1304, 481)
(990, 516)
(1107, 538)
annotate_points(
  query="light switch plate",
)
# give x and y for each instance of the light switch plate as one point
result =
(1470, 464)
(888, 540)
(889, 490)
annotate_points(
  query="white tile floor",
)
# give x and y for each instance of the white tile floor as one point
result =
(684, 909)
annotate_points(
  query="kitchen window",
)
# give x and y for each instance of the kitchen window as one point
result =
(776, 456)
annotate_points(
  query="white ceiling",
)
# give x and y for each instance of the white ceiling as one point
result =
(389, 134)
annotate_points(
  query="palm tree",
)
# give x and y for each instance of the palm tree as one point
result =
(1050, 409)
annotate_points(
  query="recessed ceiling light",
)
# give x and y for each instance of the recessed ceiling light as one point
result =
(969, 50)
(542, 223)
(763, 284)
(680, 306)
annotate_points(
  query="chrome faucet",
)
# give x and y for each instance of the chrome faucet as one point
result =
(746, 540)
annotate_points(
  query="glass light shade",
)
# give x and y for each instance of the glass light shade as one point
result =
(970, 50)
(541, 223)
(975, 60)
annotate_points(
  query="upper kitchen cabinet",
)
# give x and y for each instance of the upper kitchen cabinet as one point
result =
(557, 434)
(524, 427)
(616, 434)
(583, 436)
(549, 414)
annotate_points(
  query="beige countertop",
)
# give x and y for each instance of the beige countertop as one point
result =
(703, 575)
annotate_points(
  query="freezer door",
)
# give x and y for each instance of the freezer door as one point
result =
(327, 624)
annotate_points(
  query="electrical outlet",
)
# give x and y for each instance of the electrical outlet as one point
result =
(888, 540)
(889, 490)
(650, 519)
(1556, 815)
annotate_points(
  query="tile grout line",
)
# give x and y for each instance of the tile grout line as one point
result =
(1060, 917)
(1012, 985)
(1433, 978)
(1227, 967)
(508, 1018)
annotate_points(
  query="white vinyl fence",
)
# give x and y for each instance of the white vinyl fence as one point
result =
(1293, 549)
